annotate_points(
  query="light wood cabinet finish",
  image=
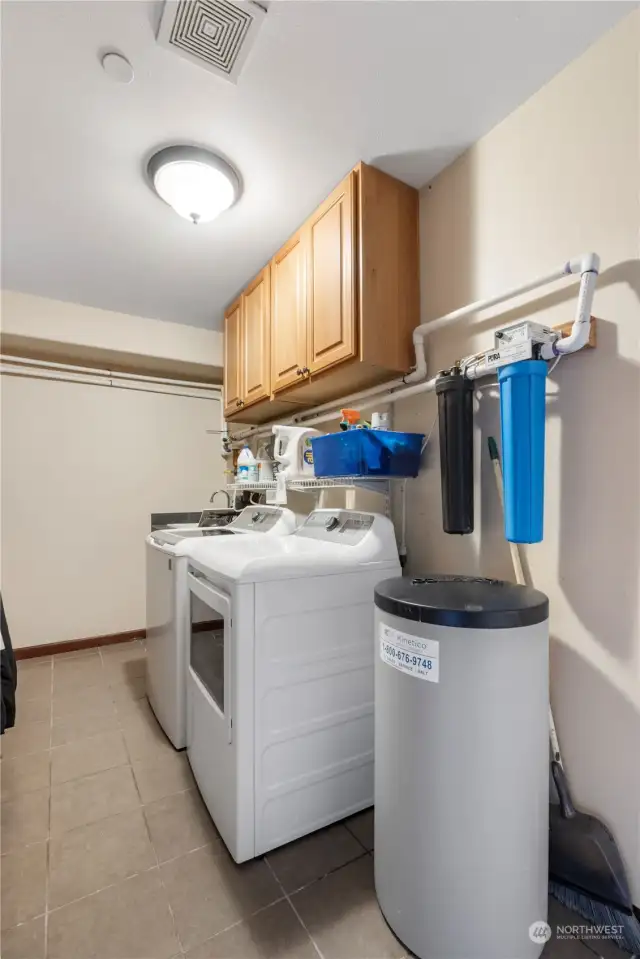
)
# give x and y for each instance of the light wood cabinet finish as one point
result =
(335, 310)
(289, 313)
(256, 333)
(331, 289)
(232, 358)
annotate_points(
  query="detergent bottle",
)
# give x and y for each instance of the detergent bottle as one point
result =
(293, 451)
(247, 471)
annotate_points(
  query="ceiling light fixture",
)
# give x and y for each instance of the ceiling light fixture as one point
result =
(198, 184)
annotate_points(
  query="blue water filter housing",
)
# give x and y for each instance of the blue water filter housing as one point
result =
(523, 414)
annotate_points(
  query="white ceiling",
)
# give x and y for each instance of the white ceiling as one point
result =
(405, 85)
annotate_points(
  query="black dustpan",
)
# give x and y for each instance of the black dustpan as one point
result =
(582, 852)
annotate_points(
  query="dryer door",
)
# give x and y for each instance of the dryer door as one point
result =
(212, 736)
(210, 648)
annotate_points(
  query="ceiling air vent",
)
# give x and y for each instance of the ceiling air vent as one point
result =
(214, 34)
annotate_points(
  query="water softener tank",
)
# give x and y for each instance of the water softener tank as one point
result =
(462, 765)
(522, 411)
(455, 424)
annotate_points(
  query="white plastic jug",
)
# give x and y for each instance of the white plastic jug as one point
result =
(265, 466)
(293, 451)
(247, 468)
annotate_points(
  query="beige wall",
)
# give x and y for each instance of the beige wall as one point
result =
(83, 333)
(559, 177)
(82, 468)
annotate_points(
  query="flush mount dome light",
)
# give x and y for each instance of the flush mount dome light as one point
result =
(198, 184)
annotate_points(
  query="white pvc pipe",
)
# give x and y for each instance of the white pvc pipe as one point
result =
(426, 329)
(588, 265)
(42, 373)
(373, 393)
(24, 362)
(428, 386)
(51, 364)
(581, 325)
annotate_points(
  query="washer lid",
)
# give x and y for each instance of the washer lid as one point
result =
(470, 602)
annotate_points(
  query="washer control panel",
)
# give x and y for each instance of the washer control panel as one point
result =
(343, 526)
(257, 519)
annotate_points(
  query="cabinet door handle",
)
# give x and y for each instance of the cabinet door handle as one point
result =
(299, 371)
(239, 403)
(305, 370)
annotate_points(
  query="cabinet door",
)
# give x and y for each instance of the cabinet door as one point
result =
(232, 358)
(256, 323)
(332, 279)
(288, 314)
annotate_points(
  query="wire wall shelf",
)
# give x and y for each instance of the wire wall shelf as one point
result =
(379, 484)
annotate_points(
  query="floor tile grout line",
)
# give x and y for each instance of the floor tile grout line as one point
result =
(357, 838)
(85, 739)
(32, 752)
(238, 922)
(22, 846)
(140, 805)
(165, 862)
(161, 879)
(143, 872)
(110, 885)
(330, 872)
(120, 722)
(295, 911)
(96, 892)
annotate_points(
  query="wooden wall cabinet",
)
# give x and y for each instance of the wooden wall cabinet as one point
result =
(331, 259)
(247, 342)
(256, 339)
(232, 358)
(289, 313)
(343, 300)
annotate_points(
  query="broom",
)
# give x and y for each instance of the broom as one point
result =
(586, 872)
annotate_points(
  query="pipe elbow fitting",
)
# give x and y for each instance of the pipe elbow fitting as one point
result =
(587, 263)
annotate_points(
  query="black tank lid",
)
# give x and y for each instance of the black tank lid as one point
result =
(470, 602)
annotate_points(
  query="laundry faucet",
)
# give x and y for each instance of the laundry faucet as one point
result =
(224, 493)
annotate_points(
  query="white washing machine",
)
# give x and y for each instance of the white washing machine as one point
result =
(168, 611)
(280, 718)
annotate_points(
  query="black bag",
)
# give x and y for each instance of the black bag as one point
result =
(8, 676)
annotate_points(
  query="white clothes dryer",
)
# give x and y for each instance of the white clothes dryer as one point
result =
(280, 717)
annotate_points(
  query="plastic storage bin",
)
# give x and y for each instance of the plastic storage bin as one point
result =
(367, 453)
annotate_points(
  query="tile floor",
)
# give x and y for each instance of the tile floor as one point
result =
(109, 853)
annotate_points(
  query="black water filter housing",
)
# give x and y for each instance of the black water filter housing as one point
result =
(455, 423)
